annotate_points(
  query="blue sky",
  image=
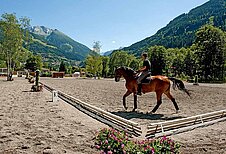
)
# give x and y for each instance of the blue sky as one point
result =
(115, 23)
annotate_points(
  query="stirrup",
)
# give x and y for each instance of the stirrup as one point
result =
(139, 93)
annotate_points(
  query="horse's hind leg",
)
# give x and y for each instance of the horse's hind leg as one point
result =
(159, 101)
(167, 93)
(124, 99)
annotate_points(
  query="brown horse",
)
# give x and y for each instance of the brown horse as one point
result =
(158, 84)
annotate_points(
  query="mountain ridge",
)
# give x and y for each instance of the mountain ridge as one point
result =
(180, 32)
(52, 43)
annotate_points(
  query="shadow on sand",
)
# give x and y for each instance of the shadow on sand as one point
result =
(147, 116)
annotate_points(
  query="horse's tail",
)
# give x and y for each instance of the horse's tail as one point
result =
(179, 84)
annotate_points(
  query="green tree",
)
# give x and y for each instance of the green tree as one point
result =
(34, 62)
(210, 51)
(20, 59)
(157, 59)
(118, 58)
(11, 40)
(190, 63)
(135, 63)
(178, 61)
(94, 65)
(170, 56)
(76, 69)
(62, 67)
(105, 64)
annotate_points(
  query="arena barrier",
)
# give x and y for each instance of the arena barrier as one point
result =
(152, 130)
(105, 117)
(184, 124)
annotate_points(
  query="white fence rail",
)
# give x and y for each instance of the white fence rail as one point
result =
(184, 124)
(108, 118)
(153, 130)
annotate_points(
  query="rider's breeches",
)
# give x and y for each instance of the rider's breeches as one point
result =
(142, 76)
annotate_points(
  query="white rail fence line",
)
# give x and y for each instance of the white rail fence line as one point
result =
(154, 129)
(108, 118)
(185, 124)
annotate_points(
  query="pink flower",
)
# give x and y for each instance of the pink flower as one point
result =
(97, 146)
(122, 146)
(102, 152)
(106, 141)
(152, 151)
(164, 138)
(110, 152)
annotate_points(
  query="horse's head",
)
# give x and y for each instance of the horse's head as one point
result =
(118, 73)
(125, 72)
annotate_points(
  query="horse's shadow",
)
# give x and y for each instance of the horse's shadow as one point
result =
(141, 115)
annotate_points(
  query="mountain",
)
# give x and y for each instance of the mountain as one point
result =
(180, 32)
(107, 53)
(54, 45)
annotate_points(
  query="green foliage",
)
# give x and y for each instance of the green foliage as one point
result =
(10, 40)
(121, 58)
(210, 51)
(135, 63)
(157, 59)
(189, 63)
(62, 67)
(105, 64)
(94, 65)
(33, 63)
(111, 141)
(66, 47)
(46, 74)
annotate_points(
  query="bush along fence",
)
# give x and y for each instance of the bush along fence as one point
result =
(111, 141)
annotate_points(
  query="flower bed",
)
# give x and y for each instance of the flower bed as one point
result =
(110, 141)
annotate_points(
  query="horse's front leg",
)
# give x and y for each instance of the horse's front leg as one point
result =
(124, 99)
(135, 101)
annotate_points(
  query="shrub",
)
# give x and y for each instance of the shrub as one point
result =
(111, 141)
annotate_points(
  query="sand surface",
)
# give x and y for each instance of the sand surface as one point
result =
(31, 123)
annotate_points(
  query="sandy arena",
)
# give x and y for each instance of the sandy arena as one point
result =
(31, 123)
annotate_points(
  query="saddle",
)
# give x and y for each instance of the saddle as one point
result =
(146, 80)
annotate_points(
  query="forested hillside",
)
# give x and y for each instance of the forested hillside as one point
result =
(180, 32)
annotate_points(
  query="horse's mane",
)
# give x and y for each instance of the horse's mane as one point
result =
(128, 70)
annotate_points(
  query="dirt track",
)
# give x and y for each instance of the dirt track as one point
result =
(107, 94)
(31, 123)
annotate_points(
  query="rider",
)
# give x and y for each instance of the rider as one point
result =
(146, 70)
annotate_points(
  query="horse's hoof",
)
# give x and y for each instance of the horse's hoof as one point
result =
(177, 111)
(134, 110)
(125, 108)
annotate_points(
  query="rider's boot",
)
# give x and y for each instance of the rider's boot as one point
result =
(139, 89)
